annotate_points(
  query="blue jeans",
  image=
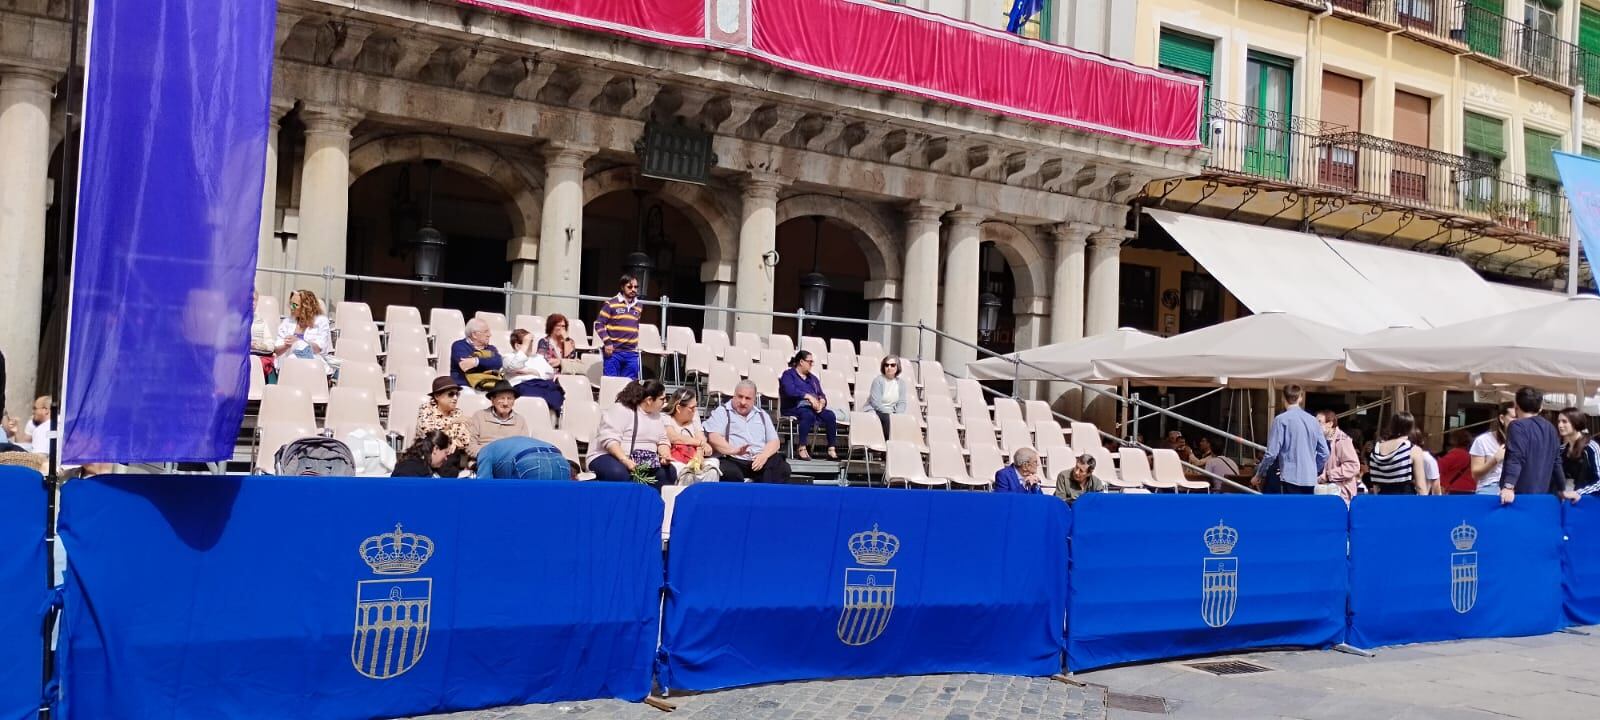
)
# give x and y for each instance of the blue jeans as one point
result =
(622, 363)
(608, 468)
(809, 419)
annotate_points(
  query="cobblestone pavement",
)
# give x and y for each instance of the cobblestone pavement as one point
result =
(932, 697)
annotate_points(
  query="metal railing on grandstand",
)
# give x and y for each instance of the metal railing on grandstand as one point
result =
(928, 338)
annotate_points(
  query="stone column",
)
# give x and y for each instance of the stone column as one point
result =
(24, 197)
(270, 250)
(1067, 290)
(325, 197)
(1032, 316)
(718, 279)
(919, 301)
(561, 227)
(758, 236)
(523, 255)
(883, 305)
(1105, 281)
(961, 263)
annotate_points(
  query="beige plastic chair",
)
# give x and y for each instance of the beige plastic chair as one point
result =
(609, 387)
(650, 342)
(537, 412)
(942, 406)
(842, 354)
(286, 405)
(722, 382)
(869, 355)
(356, 347)
(501, 340)
(414, 379)
(403, 408)
(1085, 437)
(766, 380)
(408, 345)
(365, 376)
(307, 375)
(1007, 410)
(1105, 466)
(1057, 459)
(942, 432)
(929, 370)
(903, 465)
(1013, 436)
(1135, 470)
(497, 321)
(348, 314)
(532, 323)
(749, 342)
(739, 358)
(398, 316)
(908, 370)
(274, 437)
(575, 387)
(1047, 434)
(472, 402)
(775, 359)
(582, 335)
(715, 340)
(936, 385)
(258, 380)
(969, 396)
(580, 418)
(669, 497)
(1038, 411)
(351, 409)
(986, 461)
(837, 389)
(697, 361)
(679, 338)
(781, 344)
(861, 391)
(866, 435)
(446, 326)
(1168, 469)
(268, 309)
(945, 463)
(907, 428)
(1135, 491)
(817, 347)
(568, 446)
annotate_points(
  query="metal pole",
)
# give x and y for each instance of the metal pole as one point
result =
(327, 285)
(510, 317)
(920, 328)
(799, 327)
(1572, 225)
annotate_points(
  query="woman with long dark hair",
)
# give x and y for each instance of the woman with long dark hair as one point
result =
(429, 456)
(1581, 454)
(1489, 450)
(631, 440)
(800, 392)
(1396, 466)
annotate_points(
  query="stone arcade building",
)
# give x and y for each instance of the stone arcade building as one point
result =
(913, 207)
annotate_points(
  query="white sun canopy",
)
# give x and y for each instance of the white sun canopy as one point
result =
(1069, 359)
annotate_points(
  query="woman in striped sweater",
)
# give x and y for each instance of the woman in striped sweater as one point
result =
(1581, 459)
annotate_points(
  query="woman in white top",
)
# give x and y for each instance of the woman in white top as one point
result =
(888, 395)
(304, 333)
(631, 434)
(1489, 450)
(691, 451)
(1396, 467)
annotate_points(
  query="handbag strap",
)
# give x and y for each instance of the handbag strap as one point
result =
(634, 438)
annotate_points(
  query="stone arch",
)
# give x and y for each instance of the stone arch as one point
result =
(883, 256)
(1027, 260)
(526, 203)
(697, 203)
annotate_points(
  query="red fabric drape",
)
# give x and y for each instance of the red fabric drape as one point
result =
(676, 21)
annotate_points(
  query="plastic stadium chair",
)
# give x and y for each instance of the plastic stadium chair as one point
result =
(446, 326)
(497, 321)
(1168, 469)
(866, 435)
(907, 428)
(945, 463)
(1038, 411)
(1085, 437)
(842, 354)
(942, 431)
(1013, 437)
(347, 314)
(413, 379)
(576, 387)
(1135, 470)
(403, 409)
(1007, 410)
(286, 405)
(904, 465)
(308, 375)
(580, 417)
(532, 323)
(352, 408)
(537, 412)
(395, 316)
(1105, 466)
(609, 387)
(1047, 434)
(715, 341)
(986, 461)
(366, 376)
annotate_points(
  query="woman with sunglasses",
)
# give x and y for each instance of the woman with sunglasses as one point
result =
(441, 412)
(691, 451)
(889, 392)
(305, 332)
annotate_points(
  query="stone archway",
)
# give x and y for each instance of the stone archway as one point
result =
(716, 223)
(883, 255)
(520, 184)
(1024, 314)
(1027, 259)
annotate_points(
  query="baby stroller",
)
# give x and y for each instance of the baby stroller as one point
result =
(319, 456)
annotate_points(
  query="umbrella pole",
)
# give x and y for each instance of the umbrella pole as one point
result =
(1126, 431)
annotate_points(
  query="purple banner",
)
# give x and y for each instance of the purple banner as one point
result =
(174, 149)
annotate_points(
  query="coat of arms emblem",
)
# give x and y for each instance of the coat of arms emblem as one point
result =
(392, 612)
(868, 591)
(1463, 568)
(1219, 578)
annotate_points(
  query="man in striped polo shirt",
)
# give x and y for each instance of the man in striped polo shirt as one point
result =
(618, 330)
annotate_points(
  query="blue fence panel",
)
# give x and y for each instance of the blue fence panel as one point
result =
(22, 591)
(1580, 561)
(289, 597)
(773, 583)
(1428, 568)
(1173, 576)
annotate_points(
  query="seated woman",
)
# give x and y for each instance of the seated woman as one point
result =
(691, 451)
(556, 347)
(474, 363)
(442, 413)
(801, 396)
(305, 333)
(632, 439)
(429, 456)
(889, 392)
(532, 375)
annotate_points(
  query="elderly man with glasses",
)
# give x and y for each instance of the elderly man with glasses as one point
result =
(745, 440)
(474, 363)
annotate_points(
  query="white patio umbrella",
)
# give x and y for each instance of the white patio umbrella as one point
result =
(1249, 351)
(1554, 347)
(1068, 359)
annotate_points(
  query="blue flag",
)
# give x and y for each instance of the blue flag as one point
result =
(1021, 11)
(1581, 177)
(174, 154)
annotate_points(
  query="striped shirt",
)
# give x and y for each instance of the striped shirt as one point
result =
(617, 326)
(1392, 467)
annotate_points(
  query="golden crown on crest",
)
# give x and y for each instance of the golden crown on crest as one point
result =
(1221, 539)
(1464, 536)
(874, 547)
(396, 553)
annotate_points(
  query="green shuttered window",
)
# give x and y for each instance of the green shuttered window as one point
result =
(1186, 53)
(1538, 160)
(1485, 134)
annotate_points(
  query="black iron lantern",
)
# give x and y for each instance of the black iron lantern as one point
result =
(988, 302)
(814, 285)
(1194, 299)
(427, 249)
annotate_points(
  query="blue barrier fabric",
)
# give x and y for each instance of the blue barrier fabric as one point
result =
(22, 591)
(1580, 560)
(1173, 576)
(1429, 568)
(772, 583)
(304, 597)
(174, 153)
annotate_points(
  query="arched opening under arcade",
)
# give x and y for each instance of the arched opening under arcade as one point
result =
(622, 222)
(815, 243)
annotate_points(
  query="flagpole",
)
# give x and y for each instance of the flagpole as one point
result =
(1573, 240)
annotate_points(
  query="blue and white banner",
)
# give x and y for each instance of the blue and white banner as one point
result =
(1580, 560)
(1428, 568)
(22, 591)
(169, 205)
(774, 583)
(1179, 575)
(290, 597)
(1580, 177)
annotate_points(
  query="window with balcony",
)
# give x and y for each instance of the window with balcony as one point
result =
(1539, 42)
(1341, 106)
(1485, 25)
(1412, 119)
(1415, 14)
(1269, 96)
(1485, 144)
(1543, 211)
(1589, 48)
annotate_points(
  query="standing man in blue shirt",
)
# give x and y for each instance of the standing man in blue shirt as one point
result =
(617, 329)
(1533, 453)
(1297, 449)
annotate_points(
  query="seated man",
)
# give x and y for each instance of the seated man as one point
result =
(499, 420)
(1073, 482)
(522, 458)
(474, 363)
(745, 440)
(1022, 475)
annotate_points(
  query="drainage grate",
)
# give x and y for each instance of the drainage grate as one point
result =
(1136, 703)
(1229, 667)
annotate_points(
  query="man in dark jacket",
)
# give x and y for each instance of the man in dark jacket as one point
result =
(1533, 453)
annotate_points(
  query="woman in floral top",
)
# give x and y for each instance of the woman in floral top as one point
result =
(442, 413)
(555, 346)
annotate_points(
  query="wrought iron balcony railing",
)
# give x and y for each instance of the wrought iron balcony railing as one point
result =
(1542, 54)
(1297, 153)
(1433, 17)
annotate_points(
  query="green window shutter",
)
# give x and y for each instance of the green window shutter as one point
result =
(1589, 29)
(1538, 161)
(1590, 151)
(1485, 134)
(1186, 53)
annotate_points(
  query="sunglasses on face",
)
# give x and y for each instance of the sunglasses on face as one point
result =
(451, 393)
(892, 365)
